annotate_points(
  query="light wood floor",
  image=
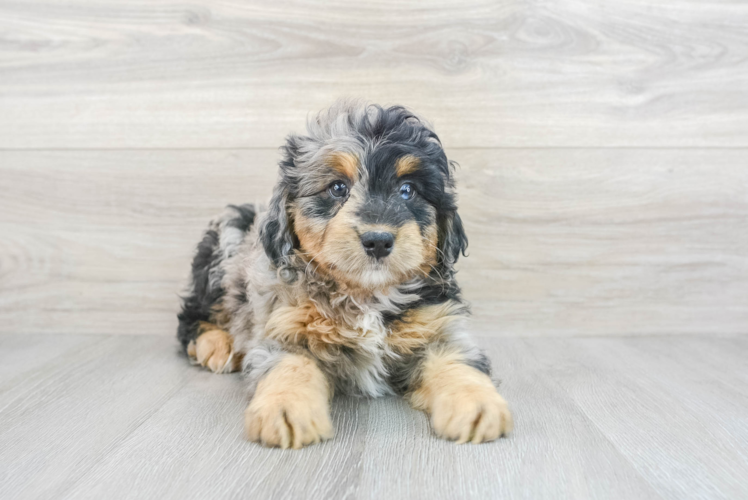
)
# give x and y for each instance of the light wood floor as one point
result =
(100, 416)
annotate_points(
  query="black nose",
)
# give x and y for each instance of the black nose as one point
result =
(377, 244)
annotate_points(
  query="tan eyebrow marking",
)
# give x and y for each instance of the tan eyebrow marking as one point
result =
(406, 165)
(346, 164)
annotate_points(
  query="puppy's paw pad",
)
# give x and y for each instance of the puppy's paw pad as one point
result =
(474, 414)
(276, 422)
(214, 350)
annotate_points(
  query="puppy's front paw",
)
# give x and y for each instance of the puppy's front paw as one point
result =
(290, 407)
(288, 423)
(475, 413)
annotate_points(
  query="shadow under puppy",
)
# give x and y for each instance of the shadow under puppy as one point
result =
(346, 283)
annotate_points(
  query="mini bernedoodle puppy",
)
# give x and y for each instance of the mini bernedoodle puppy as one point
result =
(345, 284)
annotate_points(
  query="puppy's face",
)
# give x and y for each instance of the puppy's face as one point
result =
(369, 222)
(366, 199)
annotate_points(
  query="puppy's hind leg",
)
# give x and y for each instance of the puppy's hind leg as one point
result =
(214, 349)
(202, 307)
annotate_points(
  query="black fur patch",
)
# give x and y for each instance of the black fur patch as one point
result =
(383, 209)
(319, 207)
(431, 293)
(403, 372)
(245, 218)
(198, 305)
(276, 234)
(481, 363)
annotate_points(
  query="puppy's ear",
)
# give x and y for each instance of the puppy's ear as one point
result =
(452, 239)
(276, 233)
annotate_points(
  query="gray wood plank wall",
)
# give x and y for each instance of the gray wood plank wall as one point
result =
(603, 149)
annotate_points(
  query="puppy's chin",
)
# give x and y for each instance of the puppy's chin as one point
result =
(366, 274)
(377, 275)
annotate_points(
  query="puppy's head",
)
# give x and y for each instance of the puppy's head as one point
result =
(366, 198)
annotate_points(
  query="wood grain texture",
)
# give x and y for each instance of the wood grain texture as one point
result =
(68, 414)
(562, 241)
(597, 418)
(237, 73)
(22, 354)
(596, 242)
(671, 389)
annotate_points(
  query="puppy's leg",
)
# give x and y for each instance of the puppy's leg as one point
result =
(214, 349)
(462, 401)
(290, 407)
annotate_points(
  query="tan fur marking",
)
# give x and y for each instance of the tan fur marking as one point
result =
(308, 232)
(214, 350)
(306, 326)
(419, 326)
(430, 248)
(346, 164)
(463, 402)
(290, 407)
(191, 349)
(408, 253)
(406, 165)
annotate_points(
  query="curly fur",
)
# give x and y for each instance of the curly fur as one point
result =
(295, 280)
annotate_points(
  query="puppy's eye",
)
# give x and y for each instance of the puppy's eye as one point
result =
(338, 189)
(407, 191)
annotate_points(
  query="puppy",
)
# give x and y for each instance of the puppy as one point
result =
(345, 284)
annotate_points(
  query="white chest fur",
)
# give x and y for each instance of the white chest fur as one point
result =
(370, 373)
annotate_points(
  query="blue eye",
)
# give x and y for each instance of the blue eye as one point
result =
(338, 189)
(407, 191)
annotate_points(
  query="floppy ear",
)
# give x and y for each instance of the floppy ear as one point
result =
(452, 239)
(276, 233)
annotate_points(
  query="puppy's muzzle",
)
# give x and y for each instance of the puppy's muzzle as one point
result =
(378, 244)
